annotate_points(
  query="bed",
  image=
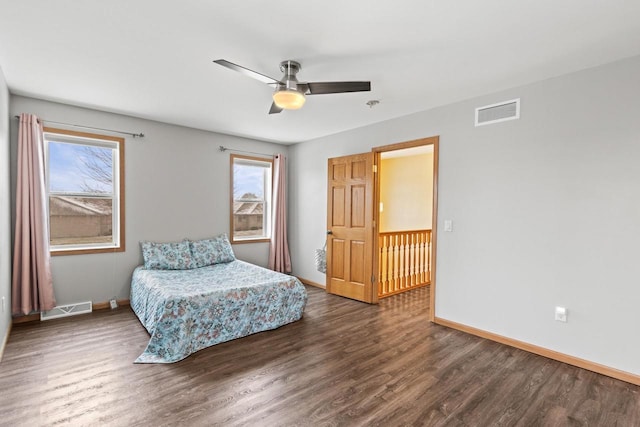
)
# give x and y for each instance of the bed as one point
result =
(186, 310)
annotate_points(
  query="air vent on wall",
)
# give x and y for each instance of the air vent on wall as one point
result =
(67, 310)
(496, 113)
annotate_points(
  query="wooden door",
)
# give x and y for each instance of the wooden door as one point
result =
(350, 229)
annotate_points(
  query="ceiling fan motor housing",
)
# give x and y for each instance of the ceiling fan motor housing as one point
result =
(290, 69)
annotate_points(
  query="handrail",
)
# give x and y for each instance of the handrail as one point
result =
(388, 233)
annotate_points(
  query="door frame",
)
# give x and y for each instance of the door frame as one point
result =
(433, 140)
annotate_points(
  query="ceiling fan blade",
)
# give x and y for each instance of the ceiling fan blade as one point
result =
(247, 72)
(274, 109)
(318, 88)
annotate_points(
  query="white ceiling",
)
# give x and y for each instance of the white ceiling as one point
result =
(153, 59)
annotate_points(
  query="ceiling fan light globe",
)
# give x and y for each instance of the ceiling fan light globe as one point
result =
(289, 99)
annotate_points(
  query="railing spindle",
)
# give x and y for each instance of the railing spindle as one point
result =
(414, 280)
(392, 266)
(405, 261)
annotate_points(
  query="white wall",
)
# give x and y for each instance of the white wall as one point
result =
(545, 210)
(176, 186)
(5, 214)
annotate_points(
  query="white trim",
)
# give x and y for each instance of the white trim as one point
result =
(267, 166)
(84, 247)
(79, 140)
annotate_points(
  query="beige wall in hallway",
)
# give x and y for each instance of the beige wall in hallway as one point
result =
(406, 192)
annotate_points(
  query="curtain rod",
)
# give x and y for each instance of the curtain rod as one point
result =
(223, 149)
(135, 135)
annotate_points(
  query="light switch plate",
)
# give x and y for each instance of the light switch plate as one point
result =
(448, 225)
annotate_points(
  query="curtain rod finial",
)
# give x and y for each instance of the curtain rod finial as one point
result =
(222, 148)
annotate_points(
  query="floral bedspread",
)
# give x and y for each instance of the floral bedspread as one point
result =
(188, 310)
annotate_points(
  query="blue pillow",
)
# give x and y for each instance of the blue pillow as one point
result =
(216, 250)
(167, 256)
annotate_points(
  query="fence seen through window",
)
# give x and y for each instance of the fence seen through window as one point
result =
(251, 180)
(84, 190)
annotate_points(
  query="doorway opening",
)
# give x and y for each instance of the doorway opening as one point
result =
(405, 217)
(405, 225)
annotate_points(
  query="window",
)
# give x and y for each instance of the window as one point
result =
(85, 183)
(250, 199)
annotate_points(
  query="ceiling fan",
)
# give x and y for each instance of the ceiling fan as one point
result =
(289, 93)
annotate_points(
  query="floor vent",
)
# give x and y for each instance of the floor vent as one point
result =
(496, 113)
(67, 310)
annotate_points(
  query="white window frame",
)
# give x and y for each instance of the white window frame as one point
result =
(116, 144)
(267, 165)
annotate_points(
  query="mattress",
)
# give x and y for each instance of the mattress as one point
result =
(187, 310)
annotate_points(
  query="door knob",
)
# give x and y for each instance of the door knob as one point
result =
(329, 232)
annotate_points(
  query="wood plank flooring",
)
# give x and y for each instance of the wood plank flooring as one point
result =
(345, 364)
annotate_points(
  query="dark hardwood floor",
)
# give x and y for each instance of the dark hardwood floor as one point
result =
(346, 363)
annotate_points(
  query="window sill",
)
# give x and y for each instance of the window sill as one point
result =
(262, 240)
(62, 252)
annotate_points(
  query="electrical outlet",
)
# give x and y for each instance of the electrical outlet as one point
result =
(561, 314)
(113, 303)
